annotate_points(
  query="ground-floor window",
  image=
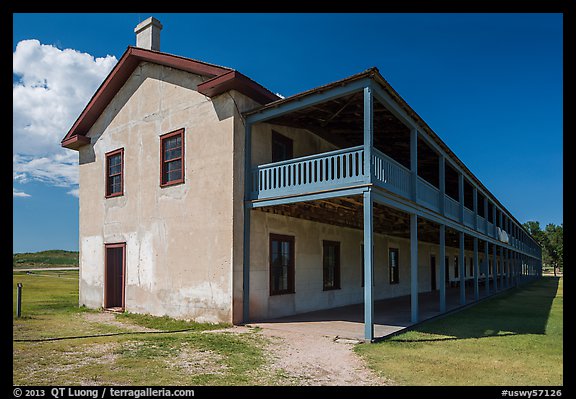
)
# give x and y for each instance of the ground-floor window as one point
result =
(447, 269)
(331, 264)
(456, 271)
(471, 266)
(393, 262)
(281, 264)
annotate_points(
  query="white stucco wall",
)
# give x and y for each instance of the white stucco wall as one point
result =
(179, 239)
(309, 294)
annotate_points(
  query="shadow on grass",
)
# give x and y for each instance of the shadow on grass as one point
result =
(521, 311)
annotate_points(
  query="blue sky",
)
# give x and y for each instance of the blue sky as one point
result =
(489, 84)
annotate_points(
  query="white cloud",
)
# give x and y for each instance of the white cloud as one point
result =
(53, 87)
(18, 193)
(75, 192)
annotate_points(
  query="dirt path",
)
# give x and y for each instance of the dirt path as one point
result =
(309, 359)
(296, 357)
(300, 358)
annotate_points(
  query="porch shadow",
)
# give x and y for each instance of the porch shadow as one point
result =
(499, 316)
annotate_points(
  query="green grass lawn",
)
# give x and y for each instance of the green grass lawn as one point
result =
(513, 339)
(194, 357)
(51, 258)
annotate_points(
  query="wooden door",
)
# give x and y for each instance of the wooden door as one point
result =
(114, 275)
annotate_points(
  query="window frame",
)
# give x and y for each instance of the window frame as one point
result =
(178, 132)
(391, 274)
(287, 141)
(107, 156)
(337, 284)
(291, 264)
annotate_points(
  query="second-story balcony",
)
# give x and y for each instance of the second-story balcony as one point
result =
(321, 136)
(334, 170)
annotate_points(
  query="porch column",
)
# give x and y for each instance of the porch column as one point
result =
(246, 243)
(486, 216)
(486, 268)
(503, 261)
(368, 216)
(442, 265)
(493, 232)
(461, 196)
(462, 270)
(475, 206)
(442, 183)
(414, 163)
(495, 268)
(501, 275)
(368, 133)
(508, 268)
(476, 270)
(414, 267)
(368, 267)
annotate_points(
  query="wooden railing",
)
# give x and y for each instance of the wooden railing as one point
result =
(481, 223)
(468, 217)
(451, 208)
(390, 174)
(345, 168)
(323, 171)
(428, 194)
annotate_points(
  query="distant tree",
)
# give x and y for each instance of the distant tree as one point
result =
(550, 240)
(555, 245)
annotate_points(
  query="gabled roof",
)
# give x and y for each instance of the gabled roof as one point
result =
(374, 74)
(221, 80)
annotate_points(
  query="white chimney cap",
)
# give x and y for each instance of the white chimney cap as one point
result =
(148, 34)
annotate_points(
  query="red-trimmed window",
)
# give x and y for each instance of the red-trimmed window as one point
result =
(331, 265)
(281, 264)
(115, 173)
(172, 158)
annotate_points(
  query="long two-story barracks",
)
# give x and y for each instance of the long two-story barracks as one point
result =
(205, 196)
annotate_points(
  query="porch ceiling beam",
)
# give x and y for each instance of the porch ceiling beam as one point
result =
(357, 190)
(308, 101)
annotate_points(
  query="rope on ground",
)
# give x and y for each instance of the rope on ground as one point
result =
(102, 335)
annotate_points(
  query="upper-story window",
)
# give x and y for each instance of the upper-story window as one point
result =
(282, 147)
(115, 173)
(172, 158)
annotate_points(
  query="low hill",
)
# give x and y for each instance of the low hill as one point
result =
(51, 258)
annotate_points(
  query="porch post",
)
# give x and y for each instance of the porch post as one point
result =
(414, 163)
(476, 270)
(462, 270)
(442, 184)
(461, 196)
(475, 206)
(414, 266)
(442, 265)
(508, 268)
(246, 246)
(495, 268)
(368, 267)
(368, 133)
(503, 263)
(368, 216)
(486, 216)
(486, 268)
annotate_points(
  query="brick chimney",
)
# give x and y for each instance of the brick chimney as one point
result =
(148, 34)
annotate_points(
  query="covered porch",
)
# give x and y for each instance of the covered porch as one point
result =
(354, 154)
(347, 322)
